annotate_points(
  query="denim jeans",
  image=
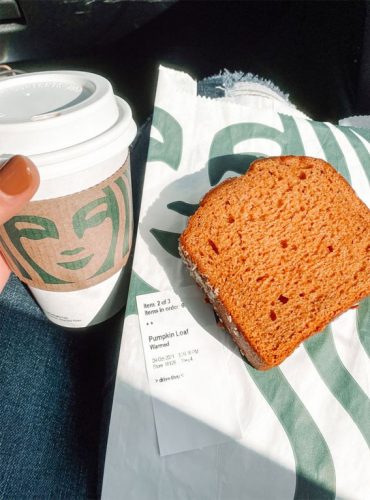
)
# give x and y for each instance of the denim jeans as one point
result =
(50, 388)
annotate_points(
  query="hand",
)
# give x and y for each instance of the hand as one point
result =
(19, 180)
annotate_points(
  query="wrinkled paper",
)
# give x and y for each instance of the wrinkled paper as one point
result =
(305, 424)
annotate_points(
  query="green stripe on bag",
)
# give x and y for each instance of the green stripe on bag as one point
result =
(342, 385)
(314, 464)
(137, 287)
(330, 146)
(169, 241)
(363, 311)
(363, 325)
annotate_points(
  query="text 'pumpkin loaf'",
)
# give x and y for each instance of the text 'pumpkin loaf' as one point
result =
(279, 251)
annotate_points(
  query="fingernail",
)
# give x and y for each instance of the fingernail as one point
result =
(16, 175)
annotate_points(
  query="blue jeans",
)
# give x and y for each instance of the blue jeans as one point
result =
(50, 388)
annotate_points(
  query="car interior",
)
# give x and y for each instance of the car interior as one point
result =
(318, 52)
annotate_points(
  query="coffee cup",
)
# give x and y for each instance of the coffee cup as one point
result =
(70, 245)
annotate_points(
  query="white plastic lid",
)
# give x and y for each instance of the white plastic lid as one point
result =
(49, 111)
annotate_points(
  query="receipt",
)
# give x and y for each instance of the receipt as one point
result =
(186, 361)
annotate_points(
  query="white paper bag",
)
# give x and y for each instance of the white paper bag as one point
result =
(306, 424)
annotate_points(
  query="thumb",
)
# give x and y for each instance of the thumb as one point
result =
(4, 273)
(19, 180)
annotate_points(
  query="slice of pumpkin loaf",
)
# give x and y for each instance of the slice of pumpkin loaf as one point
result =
(279, 251)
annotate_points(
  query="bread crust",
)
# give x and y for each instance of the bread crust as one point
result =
(226, 320)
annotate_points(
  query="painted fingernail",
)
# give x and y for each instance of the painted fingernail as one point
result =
(16, 175)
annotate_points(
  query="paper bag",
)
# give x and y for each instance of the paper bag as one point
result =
(306, 424)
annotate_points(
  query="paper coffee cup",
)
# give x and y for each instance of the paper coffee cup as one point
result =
(71, 243)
